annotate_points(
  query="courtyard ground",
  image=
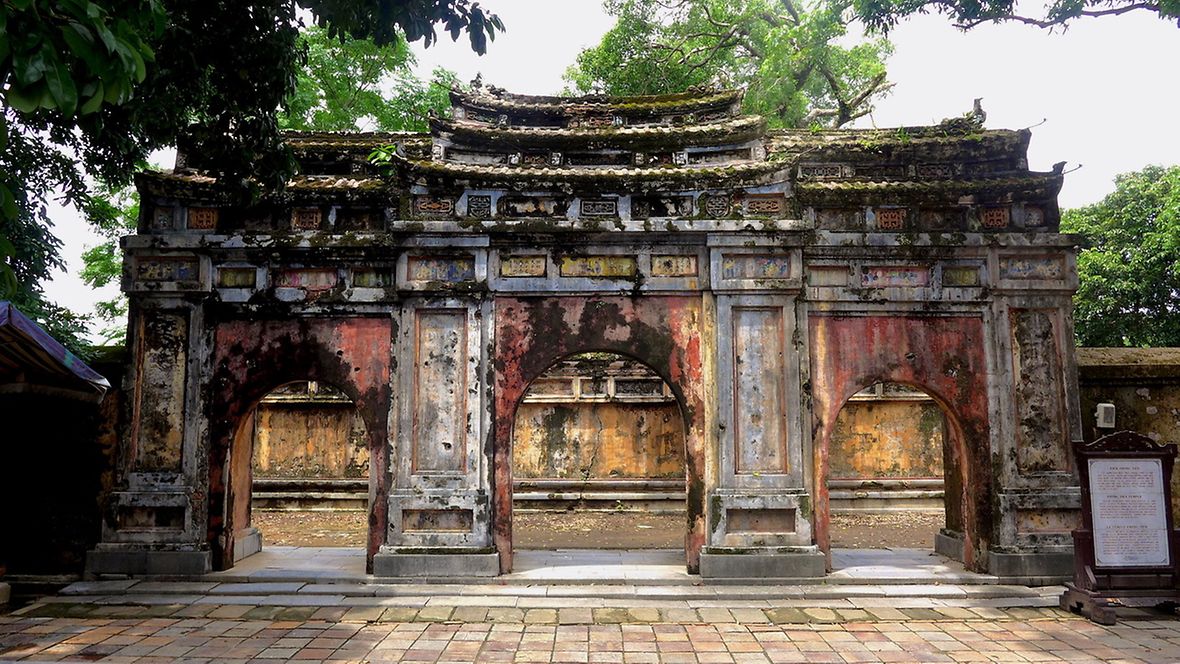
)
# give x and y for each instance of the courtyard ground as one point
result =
(599, 530)
(231, 634)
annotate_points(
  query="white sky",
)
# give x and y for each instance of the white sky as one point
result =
(1108, 90)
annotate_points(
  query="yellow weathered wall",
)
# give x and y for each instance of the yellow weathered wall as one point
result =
(888, 439)
(598, 440)
(309, 440)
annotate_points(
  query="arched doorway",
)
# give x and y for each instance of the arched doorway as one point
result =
(598, 458)
(297, 443)
(943, 357)
(894, 472)
(662, 332)
(253, 358)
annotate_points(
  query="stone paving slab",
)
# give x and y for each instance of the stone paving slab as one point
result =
(621, 637)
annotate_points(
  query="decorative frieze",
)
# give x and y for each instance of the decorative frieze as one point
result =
(824, 171)
(646, 207)
(960, 275)
(939, 171)
(765, 205)
(163, 218)
(308, 279)
(372, 278)
(237, 277)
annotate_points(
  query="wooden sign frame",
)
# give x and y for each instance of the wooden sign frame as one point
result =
(1097, 590)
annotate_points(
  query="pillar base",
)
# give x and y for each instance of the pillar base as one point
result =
(724, 563)
(141, 562)
(456, 563)
(949, 546)
(5, 593)
(1031, 568)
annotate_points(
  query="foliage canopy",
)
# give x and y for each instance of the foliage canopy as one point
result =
(884, 14)
(1129, 270)
(791, 56)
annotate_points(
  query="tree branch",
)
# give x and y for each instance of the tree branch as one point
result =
(1049, 23)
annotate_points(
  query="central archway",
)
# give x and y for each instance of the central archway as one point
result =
(662, 332)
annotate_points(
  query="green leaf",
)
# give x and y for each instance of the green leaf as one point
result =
(24, 100)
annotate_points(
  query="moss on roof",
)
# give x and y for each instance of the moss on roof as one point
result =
(737, 130)
(682, 102)
(1032, 186)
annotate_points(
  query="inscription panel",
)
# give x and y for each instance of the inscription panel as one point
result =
(1038, 267)
(1130, 524)
(182, 269)
(759, 399)
(440, 391)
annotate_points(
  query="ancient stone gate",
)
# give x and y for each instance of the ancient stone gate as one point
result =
(766, 276)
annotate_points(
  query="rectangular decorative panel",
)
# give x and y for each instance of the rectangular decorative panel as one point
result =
(440, 391)
(755, 267)
(598, 266)
(236, 277)
(759, 399)
(168, 268)
(1044, 521)
(312, 279)
(372, 278)
(891, 219)
(1040, 401)
(960, 276)
(607, 207)
(202, 219)
(760, 521)
(440, 268)
(434, 207)
(890, 276)
(766, 205)
(1034, 267)
(674, 266)
(523, 266)
(161, 374)
(306, 219)
(836, 275)
(446, 520)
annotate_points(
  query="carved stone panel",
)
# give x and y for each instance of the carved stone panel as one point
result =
(759, 401)
(161, 375)
(1040, 403)
(439, 413)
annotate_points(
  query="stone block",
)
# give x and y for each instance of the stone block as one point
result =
(436, 565)
(762, 565)
(951, 547)
(148, 563)
(5, 593)
(1018, 567)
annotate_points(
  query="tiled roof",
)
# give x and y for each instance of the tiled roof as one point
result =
(1032, 185)
(684, 102)
(736, 130)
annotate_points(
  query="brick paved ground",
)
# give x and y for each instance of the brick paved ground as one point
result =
(340, 634)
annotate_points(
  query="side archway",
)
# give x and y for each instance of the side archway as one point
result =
(940, 355)
(251, 358)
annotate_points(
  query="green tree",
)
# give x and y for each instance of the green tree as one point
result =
(1129, 269)
(884, 14)
(88, 87)
(354, 84)
(342, 85)
(789, 56)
